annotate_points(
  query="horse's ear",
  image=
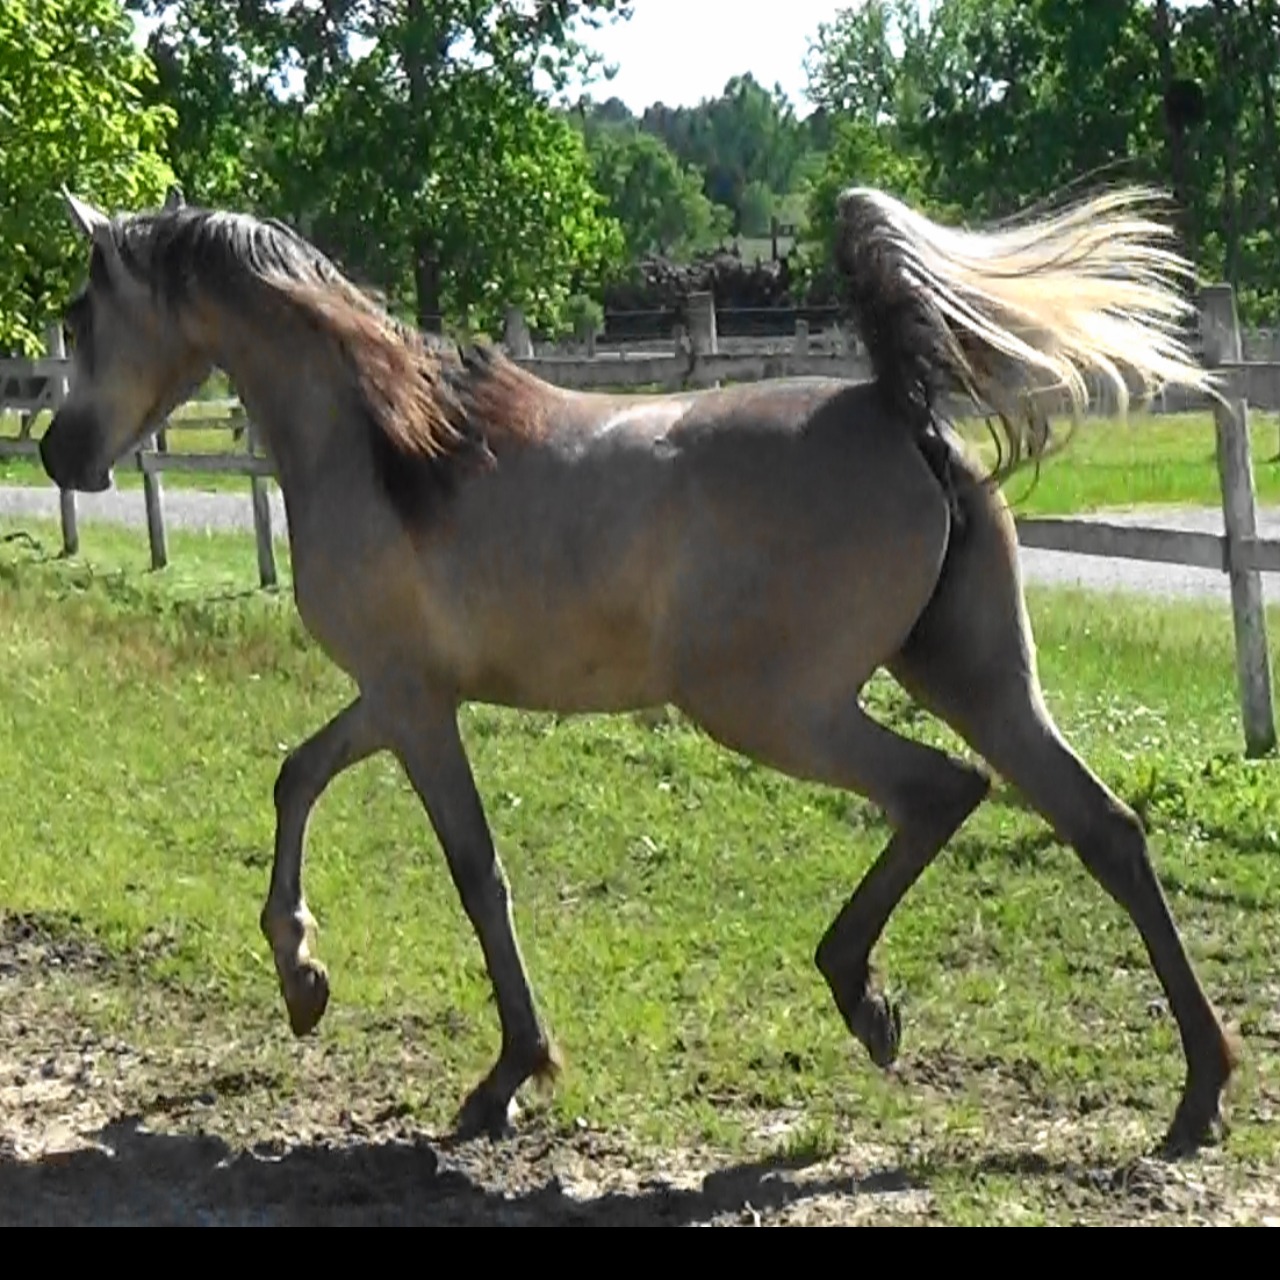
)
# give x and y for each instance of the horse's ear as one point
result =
(87, 220)
(173, 198)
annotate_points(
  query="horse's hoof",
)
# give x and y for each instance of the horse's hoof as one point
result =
(877, 1023)
(306, 996)
(485, 1115)
(1196, 1124)
(1198, 1121)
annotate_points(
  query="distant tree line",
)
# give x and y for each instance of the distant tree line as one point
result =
(419, 141)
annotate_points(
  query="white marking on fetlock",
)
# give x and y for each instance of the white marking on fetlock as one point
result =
(290, 933)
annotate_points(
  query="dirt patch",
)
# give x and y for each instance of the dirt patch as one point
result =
(132, 1129)
(100, 1129)
(127, 1175)
(42, 943)
(86, 1138)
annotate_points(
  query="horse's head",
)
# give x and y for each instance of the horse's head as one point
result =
(132, 360)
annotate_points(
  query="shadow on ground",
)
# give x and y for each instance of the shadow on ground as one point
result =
(135, 1177)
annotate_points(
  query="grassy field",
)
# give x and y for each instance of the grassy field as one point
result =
(668, 896)
(1153, 459)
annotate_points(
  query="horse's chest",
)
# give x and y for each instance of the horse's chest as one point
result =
(357, 599)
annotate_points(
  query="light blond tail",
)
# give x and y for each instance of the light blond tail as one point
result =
(1027, 311)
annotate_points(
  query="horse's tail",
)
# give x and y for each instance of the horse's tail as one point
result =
(1028, 307)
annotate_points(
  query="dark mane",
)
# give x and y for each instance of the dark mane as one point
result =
(433, 407)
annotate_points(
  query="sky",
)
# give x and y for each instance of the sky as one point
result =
(681, 51)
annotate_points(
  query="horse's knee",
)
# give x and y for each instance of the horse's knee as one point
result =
(294, 782)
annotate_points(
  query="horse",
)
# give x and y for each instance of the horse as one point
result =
(464, 531)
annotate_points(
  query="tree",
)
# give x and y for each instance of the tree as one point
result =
(997, 104)
(869, 74)
(513, 219)
(231, 133)
(756, 205)
(852, 68)
(1005, 100)
(422, 150)
(863, 154)
(659, 204)
(71, 111)
(747, 135)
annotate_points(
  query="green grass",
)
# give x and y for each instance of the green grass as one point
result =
(668, 894)
(1154, 459)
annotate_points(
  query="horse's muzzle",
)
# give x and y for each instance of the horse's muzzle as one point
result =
(68, 458)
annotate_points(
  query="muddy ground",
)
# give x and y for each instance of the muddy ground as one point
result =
(96, 1129)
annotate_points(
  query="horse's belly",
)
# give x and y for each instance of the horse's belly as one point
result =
(573, 661)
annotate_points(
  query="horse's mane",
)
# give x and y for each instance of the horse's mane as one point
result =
(433, 405)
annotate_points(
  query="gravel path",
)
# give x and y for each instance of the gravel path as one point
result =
(191, 509)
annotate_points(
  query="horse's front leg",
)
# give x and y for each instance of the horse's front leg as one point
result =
(348, 738)
(433, 756)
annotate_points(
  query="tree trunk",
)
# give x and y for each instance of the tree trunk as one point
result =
(1266, 55)
(1175, 133)
(1229, 53)
(426, 281)
(423, 49)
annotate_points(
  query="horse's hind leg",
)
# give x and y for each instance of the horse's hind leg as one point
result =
(971, 660)
(924, 793)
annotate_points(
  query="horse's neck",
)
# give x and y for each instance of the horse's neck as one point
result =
(295, 395)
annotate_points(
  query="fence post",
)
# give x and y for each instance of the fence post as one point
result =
(702, 323)
(1222, 345)
(153, 499)
(701, 313)
(57, 347)
(516, 336)
(801, 346)
(261, 499)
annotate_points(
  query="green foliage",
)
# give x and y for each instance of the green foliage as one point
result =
(991, 105)
(516, 220)
(659, 204)
(71, 111)
(416, 141)
(584, 315)
(747, 143)
(230, 133)
(419, 152)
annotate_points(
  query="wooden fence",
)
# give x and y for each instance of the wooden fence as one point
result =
(698, 361)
